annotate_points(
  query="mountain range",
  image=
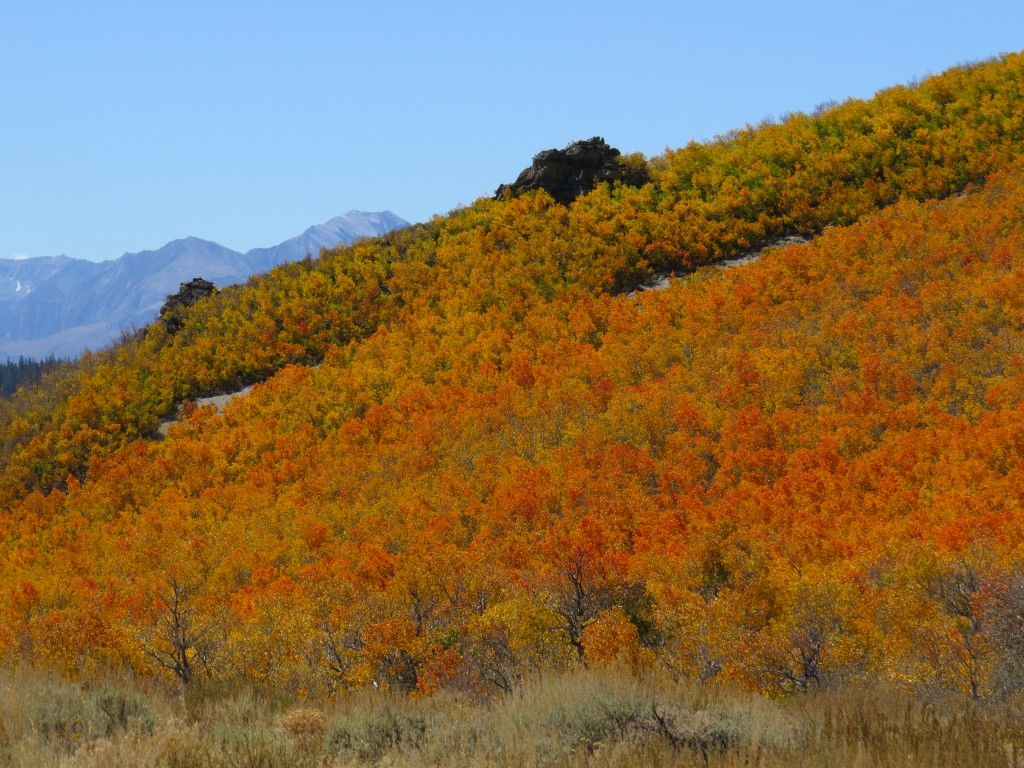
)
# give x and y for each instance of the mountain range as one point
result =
(60, 306)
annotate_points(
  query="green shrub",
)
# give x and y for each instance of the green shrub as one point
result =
(121, 710)
(375, 734)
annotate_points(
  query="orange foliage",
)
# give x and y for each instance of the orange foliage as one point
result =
(503, 463)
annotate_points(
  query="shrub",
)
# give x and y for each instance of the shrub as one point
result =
(375, 734)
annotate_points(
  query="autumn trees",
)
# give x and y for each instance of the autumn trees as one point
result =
(471, 457)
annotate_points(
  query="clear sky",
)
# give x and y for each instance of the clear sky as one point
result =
(124, 125)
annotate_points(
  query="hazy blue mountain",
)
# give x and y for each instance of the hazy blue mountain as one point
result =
(55, 305)
(340, 229)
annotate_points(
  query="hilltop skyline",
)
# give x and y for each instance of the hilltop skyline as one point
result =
(241, 123)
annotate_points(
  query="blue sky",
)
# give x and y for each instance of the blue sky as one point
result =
(124, 125)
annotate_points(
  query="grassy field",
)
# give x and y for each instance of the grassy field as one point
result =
(583, 719)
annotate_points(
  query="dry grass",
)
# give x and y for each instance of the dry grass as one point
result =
(583, 719)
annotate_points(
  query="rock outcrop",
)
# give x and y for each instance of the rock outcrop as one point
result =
(565, 174)
(189, 293)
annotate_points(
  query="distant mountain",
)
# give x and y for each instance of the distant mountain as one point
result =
(55, 305)
(340, 229)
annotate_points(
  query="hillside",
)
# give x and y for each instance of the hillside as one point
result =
(477, 453)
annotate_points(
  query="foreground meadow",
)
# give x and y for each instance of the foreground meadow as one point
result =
(589, 718)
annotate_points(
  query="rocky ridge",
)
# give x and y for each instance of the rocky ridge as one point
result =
(568, 173)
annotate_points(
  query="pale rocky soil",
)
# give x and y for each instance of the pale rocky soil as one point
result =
(661, 282)
(218, 401)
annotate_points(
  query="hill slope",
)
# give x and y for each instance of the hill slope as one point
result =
(798, 473)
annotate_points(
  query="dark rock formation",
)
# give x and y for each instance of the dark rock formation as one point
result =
(565, 174)
(188, 294)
